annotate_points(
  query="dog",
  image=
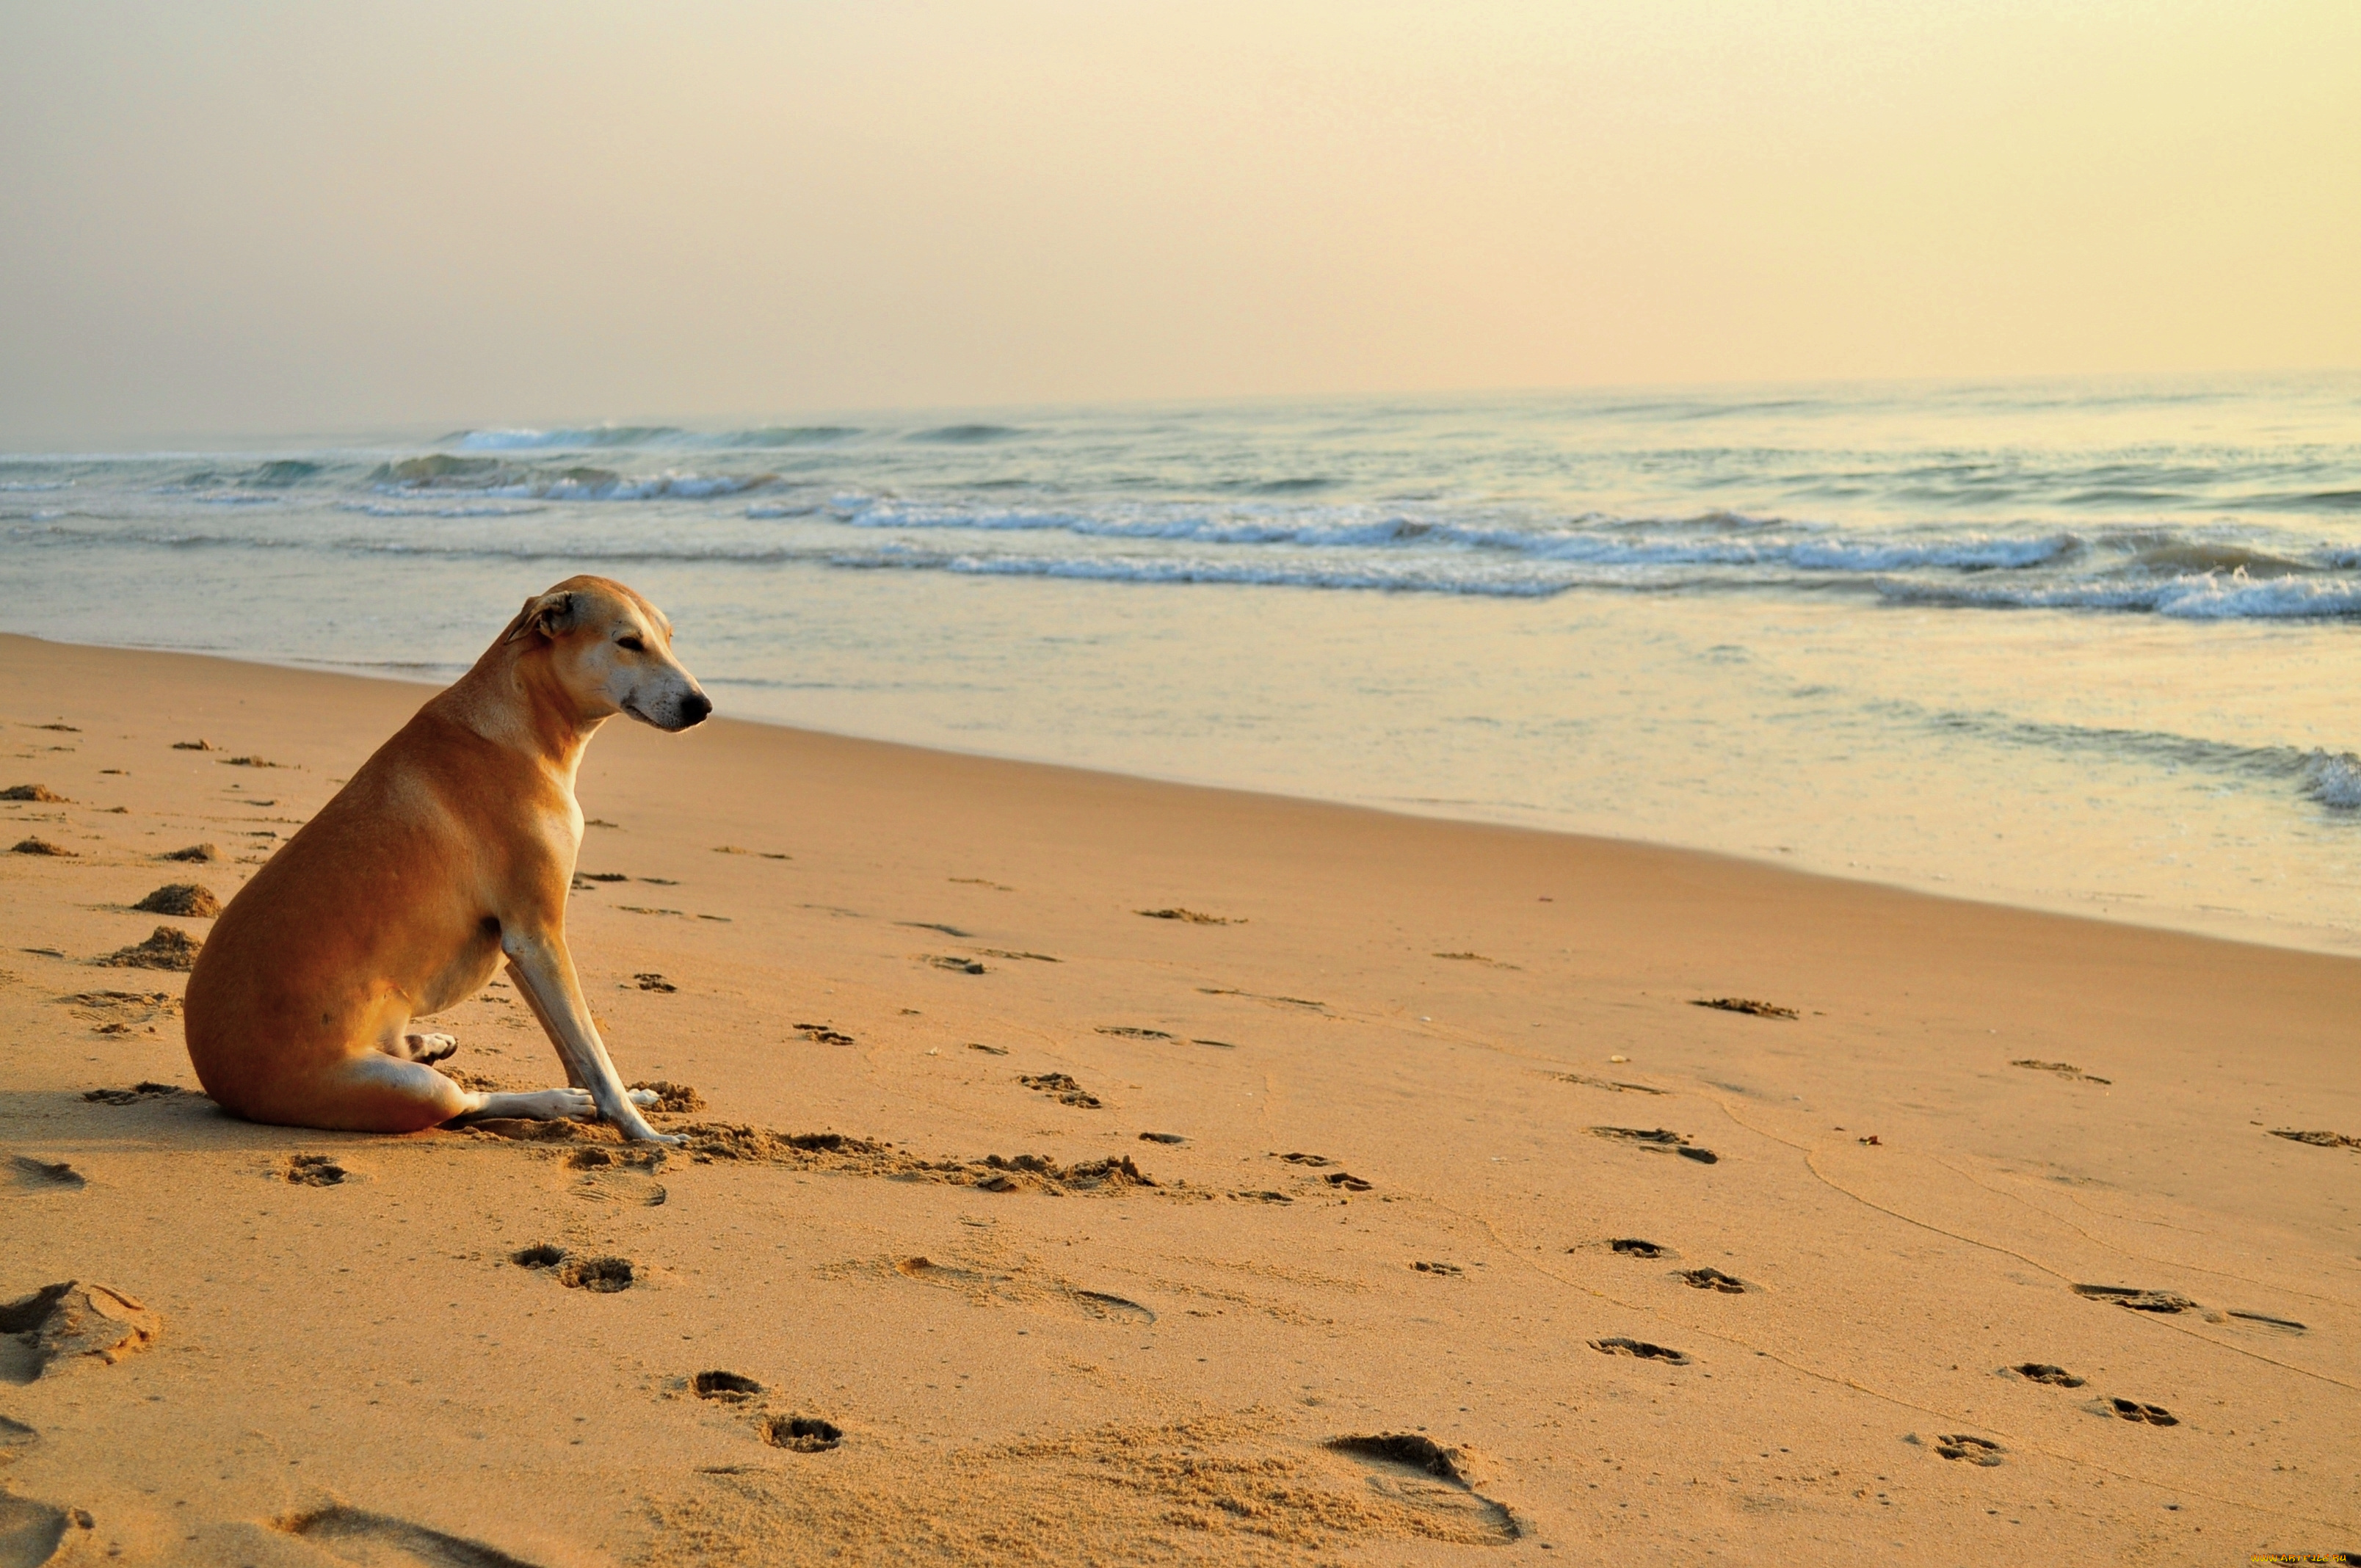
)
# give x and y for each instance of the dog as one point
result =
(451, 849)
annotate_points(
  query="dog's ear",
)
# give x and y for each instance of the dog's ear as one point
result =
(551, 614)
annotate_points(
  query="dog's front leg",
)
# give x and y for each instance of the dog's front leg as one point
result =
(544, 972)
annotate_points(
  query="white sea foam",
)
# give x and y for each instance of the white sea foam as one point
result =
(2334, 778)
(584, 439)
(583, 485)
(387, 509)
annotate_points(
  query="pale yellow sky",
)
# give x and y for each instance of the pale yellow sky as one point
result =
(253, 217)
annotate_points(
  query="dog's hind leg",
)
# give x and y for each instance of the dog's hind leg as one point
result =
(381, 1094)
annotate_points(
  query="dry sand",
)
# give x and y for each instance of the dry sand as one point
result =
(1383, 1206)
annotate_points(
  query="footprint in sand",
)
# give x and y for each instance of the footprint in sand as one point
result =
(2138, 1299)
(1414, 1449)
(801, 1434)
(27, 1176)
(548, 1255)
(1435, 1480)
(122, 1012)
(1659, 1140)
(1438, 1268)
(1712, 1280)
(617, 1175)
(2042, 1372)
(1162, 1138)
(1618, 1345)
(2132, 1411)
(1061, 1088)
(359, 1536)
(1632, 1246)
(727, 1387)
(2318, 1140)
(74, 1325)
(1114, 1308)
(134, 1095)
(599, 1276)
(2064, 1070)
(1344, 1180)
(1747, 1005)
(1014, 1288)
(313, 1170)
(32, 1532)
(1974, 1450)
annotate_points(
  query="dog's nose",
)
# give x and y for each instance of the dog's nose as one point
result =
(693, 707)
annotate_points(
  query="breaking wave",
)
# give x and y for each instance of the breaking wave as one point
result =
(593, 438)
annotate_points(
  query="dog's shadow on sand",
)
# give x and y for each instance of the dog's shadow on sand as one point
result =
(134, 1115)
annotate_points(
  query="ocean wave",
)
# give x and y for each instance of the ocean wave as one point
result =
(966, 435)
(2204, 596)
(1712, 539)
(20, 486)
(282, 472)
(441, 472)
(1393, 578)
(592, 438)
(588, 438)
(2334, 778)
(783, 435)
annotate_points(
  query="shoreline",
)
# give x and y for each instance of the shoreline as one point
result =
(2117, 909)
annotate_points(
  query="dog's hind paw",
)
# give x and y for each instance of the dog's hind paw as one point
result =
(429, 1048)
(643, 1098)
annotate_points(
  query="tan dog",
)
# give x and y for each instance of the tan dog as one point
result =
(451, 847)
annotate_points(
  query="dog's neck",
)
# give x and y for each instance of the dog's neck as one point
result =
(513, 697)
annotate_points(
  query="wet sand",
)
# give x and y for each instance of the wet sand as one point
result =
(1452, 1229)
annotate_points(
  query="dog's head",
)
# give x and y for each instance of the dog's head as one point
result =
(612, 650)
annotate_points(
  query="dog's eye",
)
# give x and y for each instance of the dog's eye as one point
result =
(633, 644)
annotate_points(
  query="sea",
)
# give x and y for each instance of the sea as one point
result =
(2080, 645)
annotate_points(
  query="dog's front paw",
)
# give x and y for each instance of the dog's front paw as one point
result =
(546, 1106)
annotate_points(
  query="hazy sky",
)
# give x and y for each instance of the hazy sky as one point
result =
(251, 217)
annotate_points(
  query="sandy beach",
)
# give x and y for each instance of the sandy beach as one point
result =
(1081, 1169)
